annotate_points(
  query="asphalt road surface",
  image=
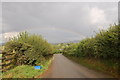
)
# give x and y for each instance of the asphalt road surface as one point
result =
(62, 67)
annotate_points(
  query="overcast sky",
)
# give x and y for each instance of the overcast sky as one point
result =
(58, 21)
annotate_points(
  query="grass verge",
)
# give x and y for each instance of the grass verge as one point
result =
(105, 66)
(26, 71)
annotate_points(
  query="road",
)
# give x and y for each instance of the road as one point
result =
(62, 67)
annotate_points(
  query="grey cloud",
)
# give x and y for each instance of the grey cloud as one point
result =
(74, 17)
(0, 17)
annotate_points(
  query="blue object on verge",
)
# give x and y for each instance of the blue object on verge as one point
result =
(38, 67)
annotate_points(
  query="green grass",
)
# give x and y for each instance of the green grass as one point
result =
(105, 66)
(26, 71)
(1, 47)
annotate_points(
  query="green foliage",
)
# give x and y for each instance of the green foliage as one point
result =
(107, 43)
(70, 48)
(104, 45)
(85, 48)
(58, 48)
(30, 49)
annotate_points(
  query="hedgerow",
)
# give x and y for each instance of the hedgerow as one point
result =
(29, 49)
(104, 46)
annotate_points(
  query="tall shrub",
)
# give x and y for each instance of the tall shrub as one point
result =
(30, 49)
